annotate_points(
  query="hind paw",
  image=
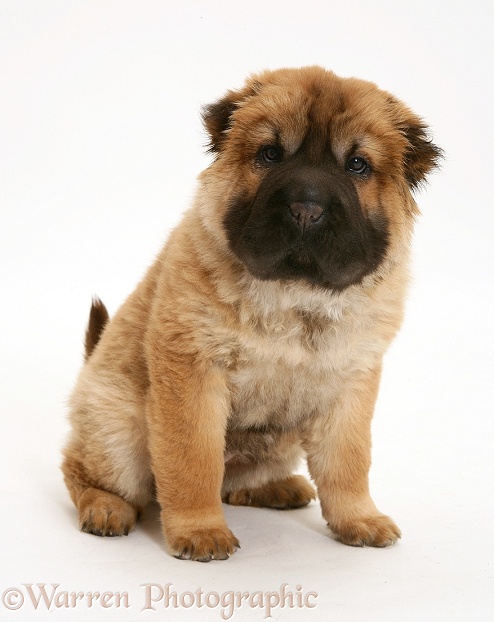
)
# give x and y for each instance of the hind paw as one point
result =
(292, 492)
(102, 513)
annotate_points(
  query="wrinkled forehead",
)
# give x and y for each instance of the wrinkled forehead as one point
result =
(339, 116)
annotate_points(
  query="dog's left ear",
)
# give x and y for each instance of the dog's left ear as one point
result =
(421, 154)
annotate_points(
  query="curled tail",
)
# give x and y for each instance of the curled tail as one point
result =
(98, 318)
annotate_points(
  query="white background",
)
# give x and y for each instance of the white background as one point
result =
(100, 144)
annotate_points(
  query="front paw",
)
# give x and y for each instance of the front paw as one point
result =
(203, 545)
(377, 530)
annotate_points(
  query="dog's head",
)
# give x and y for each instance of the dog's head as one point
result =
(313, 175)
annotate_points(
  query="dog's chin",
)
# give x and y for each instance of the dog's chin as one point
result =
(323, 258)
(299, 265)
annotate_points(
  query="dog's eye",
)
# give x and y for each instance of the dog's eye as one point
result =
(357, 165)
(271, 153)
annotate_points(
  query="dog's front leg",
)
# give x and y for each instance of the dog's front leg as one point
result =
(187, 412)
(339, 455)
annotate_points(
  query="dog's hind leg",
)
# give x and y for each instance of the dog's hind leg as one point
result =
(104, 514)
(292, 492)
(265, 479)
(101, 512)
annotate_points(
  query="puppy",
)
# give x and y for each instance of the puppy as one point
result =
(257, 336)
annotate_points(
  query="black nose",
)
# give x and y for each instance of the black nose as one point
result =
(305, 214)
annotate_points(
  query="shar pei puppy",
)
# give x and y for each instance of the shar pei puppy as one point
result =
(257, 336)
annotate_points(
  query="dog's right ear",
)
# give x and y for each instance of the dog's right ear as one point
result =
(218, 117)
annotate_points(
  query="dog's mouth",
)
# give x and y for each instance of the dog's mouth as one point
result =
(338, 251)
(303, 264)
(300, 257)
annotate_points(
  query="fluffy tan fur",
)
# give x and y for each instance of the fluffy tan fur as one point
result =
(210, 384)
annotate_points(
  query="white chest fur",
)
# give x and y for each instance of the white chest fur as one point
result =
(290, 364)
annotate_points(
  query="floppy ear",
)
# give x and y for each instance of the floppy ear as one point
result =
(217, 117)
(421, 155)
